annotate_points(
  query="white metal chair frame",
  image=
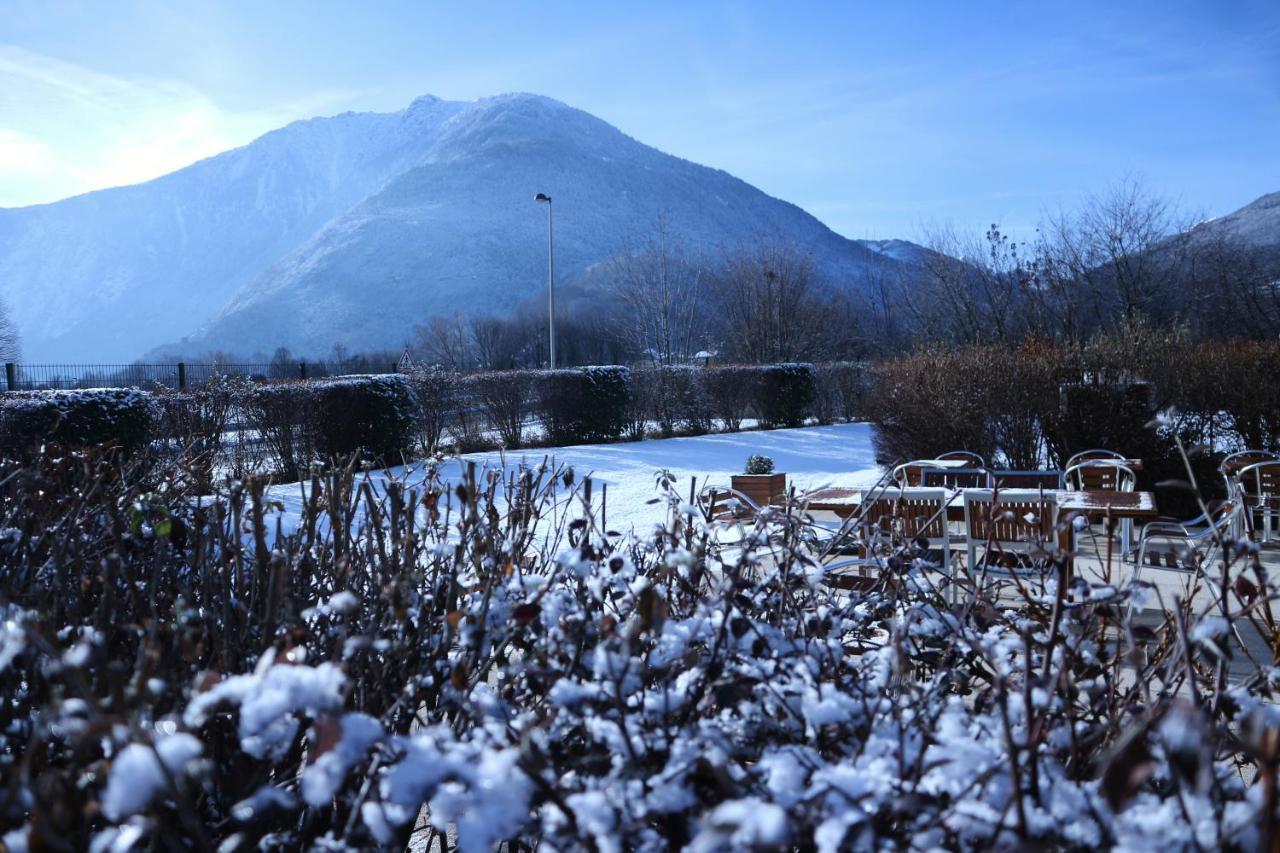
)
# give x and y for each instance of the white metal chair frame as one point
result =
(1122, 480)
(1197, 536)
(1097, 454)
(901, 474)
(1258, 486)
(968, 455)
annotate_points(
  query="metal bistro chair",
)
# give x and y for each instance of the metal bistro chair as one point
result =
(911, 474)
(1048, 480)
(1184, 545)
(1259, 490)
(1230, 468)
(1095, 455)
(1104, 475)
(974, 460)
(1011, 523)
(956, 478)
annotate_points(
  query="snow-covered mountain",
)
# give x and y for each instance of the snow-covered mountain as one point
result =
(351, 229)
(1256, 225)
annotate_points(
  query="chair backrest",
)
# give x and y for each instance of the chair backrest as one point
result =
(1260, 480)
(911, 474)
(957, 478)
(1014, 519)
(1100, 475)
(912, 512)
(1027, 479)
(1220, 515)
(1233, 462)
(1093, 455)
(719, 501)
(974, 460)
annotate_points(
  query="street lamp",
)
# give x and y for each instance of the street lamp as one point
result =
(551, 282)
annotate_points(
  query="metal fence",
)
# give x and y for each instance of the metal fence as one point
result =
(34, 377)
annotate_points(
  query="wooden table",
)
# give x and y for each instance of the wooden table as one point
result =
(1134, 506)
(1095, 506)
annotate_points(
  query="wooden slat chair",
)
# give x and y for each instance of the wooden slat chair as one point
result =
(1015, 530)
(888, 518)
(1050, 480)
(1104, 475)
(1259, 489)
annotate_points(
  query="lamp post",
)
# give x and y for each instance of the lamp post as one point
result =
(551, 282)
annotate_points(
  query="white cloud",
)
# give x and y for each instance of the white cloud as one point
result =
(66, 129)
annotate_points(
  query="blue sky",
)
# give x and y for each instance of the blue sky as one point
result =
(880, 119)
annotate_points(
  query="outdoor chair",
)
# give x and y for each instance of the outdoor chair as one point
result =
(974, 460)
(1258, 486)
(911, 474)
(1048, 480)
(1095, 455)
(1186, 545)
(956, 478)
(889, 518)
(1014, 530)
(1104, 475)
(1230, 468)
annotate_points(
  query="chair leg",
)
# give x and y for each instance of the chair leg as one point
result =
(1137, 571)
(1126, 538)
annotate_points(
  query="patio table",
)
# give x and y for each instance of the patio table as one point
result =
(1136, 506)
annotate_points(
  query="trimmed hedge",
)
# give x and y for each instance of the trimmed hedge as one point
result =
(731, 390)
(586, 404)
(785, 394)
(371, 415)
(505, 397)
(120, 417)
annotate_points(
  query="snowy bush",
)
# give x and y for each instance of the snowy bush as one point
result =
(436, 392)
(757, 464)
(839, 392)
(283, 416)
(583, 404)
(123, 417)
(480, 659)
(731, 391)
(785, 394)
(506, 397)
(373, 416)
(677, 399)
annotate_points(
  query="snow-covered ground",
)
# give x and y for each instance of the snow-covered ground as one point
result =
(811, 457)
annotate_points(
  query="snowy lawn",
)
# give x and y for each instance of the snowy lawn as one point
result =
(811, 457)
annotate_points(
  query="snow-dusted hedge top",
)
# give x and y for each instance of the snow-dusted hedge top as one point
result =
(584, 404)
(372, 415)
(79, 418)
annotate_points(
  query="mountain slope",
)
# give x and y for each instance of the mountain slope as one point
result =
(353, 228)
(1256, 225)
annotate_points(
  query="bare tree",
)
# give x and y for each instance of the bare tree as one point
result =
(972, 288)
(1234, 287)
(445, 342)
(1121, 251)
(663, 292)
(768, 306)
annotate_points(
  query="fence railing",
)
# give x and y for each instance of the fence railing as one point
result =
(35, 377)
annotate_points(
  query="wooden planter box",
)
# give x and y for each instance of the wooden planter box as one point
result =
(764, 489)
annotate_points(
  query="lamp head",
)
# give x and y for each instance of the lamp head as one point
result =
(542, 197)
